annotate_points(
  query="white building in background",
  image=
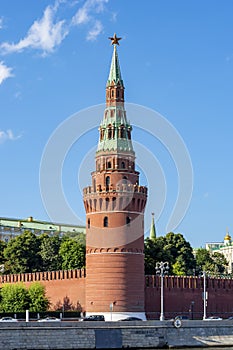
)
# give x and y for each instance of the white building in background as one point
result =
(10, 228)
(225, 248)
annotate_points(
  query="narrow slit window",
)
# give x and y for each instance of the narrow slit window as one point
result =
(105, 221)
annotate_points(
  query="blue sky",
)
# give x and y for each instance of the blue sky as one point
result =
(176, 58)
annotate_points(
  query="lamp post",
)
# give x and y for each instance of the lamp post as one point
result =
(161, 269)
(204, 294)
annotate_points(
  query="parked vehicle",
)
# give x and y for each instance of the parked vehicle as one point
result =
(181, 317)
(213, 318)
(132, 318)
(49, 319)
(94, 318)
(8, 319)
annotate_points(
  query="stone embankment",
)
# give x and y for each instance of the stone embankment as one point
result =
(106, 335)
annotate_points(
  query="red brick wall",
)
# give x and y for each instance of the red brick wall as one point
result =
(58, 284)
(179, 292)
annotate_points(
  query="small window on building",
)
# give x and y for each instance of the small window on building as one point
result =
(88, 223)
(105, 221)
(109, 165)
(123, 165)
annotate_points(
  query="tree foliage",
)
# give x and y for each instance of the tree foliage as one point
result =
(22, 254)
(37, 298)
(49, 253)
(31, 253)
(215, 264)
(17, 298)
(72, 254)
(14, 298)
(172, 248)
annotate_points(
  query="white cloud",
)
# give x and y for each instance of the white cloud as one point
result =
(95, 31)
(81, 16)
(8, 135)
(45, 34)
(5, 72)
(86, 14)
(48, 32)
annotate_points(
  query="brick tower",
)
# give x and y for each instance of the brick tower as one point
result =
(114, 207)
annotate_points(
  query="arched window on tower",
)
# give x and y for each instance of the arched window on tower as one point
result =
(107, 182)
(109, 165)
(123, 165)
(128, 220)
(105, 221)
(88, 223)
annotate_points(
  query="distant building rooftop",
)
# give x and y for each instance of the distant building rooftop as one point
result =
(13, 227)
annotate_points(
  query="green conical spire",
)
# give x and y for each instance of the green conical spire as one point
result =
(115, 71)
(152, 228)
(115, 130)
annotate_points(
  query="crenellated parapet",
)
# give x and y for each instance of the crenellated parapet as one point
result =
(43, 276)
(188, 282)
(115, 188)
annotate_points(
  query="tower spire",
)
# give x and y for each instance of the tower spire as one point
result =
(114, 77)
(152, 228)
(115, 130)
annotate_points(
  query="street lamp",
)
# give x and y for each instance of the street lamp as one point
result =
(161, 269)
(205, 295)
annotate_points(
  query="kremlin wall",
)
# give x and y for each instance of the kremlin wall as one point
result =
(182, 295)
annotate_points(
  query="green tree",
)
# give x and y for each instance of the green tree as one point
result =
(49, 252)
(215, 264)
(172, 248)
(203, 260)
(37, 298)
(154, 252)
(22, 254)
(72, 254)
(14, 298)
(181, 253)
(179, 267)
(220, 263)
